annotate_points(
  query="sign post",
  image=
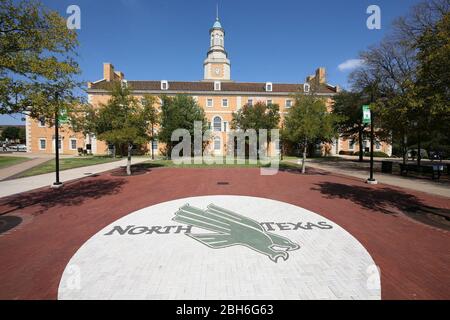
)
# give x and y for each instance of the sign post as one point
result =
(368, 119)
(57, 184)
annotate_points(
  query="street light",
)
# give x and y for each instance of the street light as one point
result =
(368, 119)
(57, 184)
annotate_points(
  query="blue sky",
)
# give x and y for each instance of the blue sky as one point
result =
(276, 41)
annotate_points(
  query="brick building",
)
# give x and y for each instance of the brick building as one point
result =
(217, 94)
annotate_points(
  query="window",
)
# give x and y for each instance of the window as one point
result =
(288, 103)
(377, 145)
(73, 144)
(42, 122)
(351, 144)
(269, 102)
(269, 86)
(250, 102)
(225, 126)
(155, 144)
(42, 144)
(210, 103)
(216, 143)
(164, 85)
(217, 86)
(217, 124)
(225, 103)
(306, 87)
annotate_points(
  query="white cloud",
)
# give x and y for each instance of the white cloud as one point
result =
(350, 64)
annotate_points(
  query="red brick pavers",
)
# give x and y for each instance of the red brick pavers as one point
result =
(414, 258)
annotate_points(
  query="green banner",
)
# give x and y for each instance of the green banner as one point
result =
(63, 117)
(366, 115)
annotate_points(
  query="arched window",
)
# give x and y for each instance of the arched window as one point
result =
(216, 143)
(217, 124)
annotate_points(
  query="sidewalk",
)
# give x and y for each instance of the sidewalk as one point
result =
(421, 185)
(15, 186)
(10, 171)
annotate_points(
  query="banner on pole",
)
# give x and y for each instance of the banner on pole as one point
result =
(366, 115)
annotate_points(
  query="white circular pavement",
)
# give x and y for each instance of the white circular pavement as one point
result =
(221, 247)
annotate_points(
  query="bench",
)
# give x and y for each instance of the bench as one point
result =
(433, 170)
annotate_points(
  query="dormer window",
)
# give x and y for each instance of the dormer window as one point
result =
(306, 87)
(217, 86)
(164, 85)
(269, 86)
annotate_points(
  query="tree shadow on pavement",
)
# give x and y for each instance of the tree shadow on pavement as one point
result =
(71, 194)
(136, 169)
(9, 222)
(387, 201)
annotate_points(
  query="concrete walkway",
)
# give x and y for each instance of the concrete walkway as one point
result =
(431, 187)
(10, 171)
(15, 186)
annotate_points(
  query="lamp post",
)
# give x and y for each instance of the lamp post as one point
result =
(57, 184)
(368, 119)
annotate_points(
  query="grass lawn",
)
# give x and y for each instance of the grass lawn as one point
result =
(66, 163)
(10, 161)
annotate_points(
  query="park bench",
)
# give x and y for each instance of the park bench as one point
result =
(433, 170)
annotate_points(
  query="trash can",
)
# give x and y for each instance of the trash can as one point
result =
(386, 166)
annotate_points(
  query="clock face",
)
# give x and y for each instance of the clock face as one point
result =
(217, 71)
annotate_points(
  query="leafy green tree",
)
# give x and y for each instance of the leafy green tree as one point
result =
(14, 133)
(348, 106)
(152, 114)
(308, 121)
(37, 60)
(179, 112)
(408, 75)
(256, 117)
(121, 121)
(433, 77)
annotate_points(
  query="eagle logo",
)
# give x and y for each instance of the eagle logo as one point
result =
(231, 229)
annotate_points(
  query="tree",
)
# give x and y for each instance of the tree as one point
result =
(433, 76)
(256, 117)
(37, 63)
(409, 74)
(348, 106)
(179, 112)
(121, 121)
(148, 102)
(14, 133)
(308, 121)
(387, 82)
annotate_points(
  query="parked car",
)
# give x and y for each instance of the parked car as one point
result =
(412, 154)
(19, 148)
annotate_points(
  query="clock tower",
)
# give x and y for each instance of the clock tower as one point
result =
(217, 65)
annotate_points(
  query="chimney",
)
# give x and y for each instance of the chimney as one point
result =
(321, 75)
(108, 71)
(118, 75)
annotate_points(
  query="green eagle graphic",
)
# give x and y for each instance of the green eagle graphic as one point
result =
(231, 229)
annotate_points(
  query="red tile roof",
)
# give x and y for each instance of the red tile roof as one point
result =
(199, 86)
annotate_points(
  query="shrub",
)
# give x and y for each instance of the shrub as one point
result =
(346, 153)
(376, 154)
